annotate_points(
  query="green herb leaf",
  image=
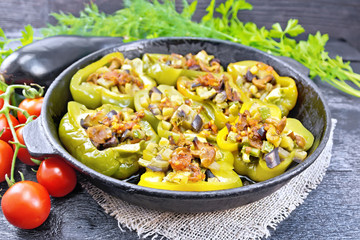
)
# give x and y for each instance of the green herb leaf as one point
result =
(141, 19)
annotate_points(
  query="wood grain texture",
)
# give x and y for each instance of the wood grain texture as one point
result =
(340, 19)
(332, 211)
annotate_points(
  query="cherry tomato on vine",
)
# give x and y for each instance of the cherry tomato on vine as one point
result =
(6, 155)
(56, 176)
(26, 204)
(32, 106)
(4, 126)
(1, 100)
(23, 153)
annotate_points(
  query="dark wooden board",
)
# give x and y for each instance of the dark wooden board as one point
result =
(340, 19)
(332, 211)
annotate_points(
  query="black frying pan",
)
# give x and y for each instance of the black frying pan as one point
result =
(41, 135)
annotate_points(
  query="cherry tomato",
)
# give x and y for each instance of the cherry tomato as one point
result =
(1, 100)
(6, 155)
(56, 176)
(23, 153)
(26, 204)
(4, 126)
(32, 106)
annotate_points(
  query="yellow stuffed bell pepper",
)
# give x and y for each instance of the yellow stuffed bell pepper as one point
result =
(264, 147)
(187, 166)
(217, 92)
(261, 81)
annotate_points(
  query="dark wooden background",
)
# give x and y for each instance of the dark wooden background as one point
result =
(338, 18)
(332, 211)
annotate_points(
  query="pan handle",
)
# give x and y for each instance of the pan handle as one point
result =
(36, 141)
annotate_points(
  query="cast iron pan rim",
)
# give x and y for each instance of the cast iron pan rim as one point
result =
(129, 187)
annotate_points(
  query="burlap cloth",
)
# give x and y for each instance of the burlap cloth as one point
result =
(251, 221)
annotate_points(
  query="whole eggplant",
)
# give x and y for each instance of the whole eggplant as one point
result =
(43, 60)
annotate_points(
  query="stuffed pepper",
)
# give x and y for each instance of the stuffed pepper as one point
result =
(263, 145)
(187, 165)
(259, 80)
(218, 92)
(112, 79)
(166, 69)
(170, 113)
(158, 103)
(109, 139)
(189, 120)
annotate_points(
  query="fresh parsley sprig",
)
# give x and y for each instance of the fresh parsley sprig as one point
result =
(141, 19)
(5, 50)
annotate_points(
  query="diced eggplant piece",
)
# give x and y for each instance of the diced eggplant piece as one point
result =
(171, 140)
(97, 145)
(154, 90)
(125, 135)
(86, 122)
(214, 60)
(195, 67)
(112, 142)
(262, 133)
(111, 114)
(221, 86)
(228, 126)
(198, 144)
(194, 85)
(197, 124)
(249, 76)
(208, 174)
(272, 159)
(181, 113)
(154, 109)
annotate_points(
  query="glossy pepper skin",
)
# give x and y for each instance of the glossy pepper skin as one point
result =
(212, 108)
(119, 161)
(93, 96)
(255, 107)
(284, 97)
(228, 178)
(189, 133)
(168, 91)
(259, 171)
(260, 109)
(43, 60)
(163, 73)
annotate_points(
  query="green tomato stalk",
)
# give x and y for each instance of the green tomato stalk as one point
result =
(28, 92)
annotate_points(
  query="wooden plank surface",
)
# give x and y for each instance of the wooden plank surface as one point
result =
(332, 211)
(340, 19)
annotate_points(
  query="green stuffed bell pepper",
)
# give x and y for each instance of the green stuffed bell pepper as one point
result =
(218, 93)
(190, 119)
(109, 139)
(167, 68)
(261, 81)
(187, 166)
(264, 148)
(112, 79)
(158, 103)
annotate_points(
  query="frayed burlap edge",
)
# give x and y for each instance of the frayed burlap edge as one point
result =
(252, 221)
